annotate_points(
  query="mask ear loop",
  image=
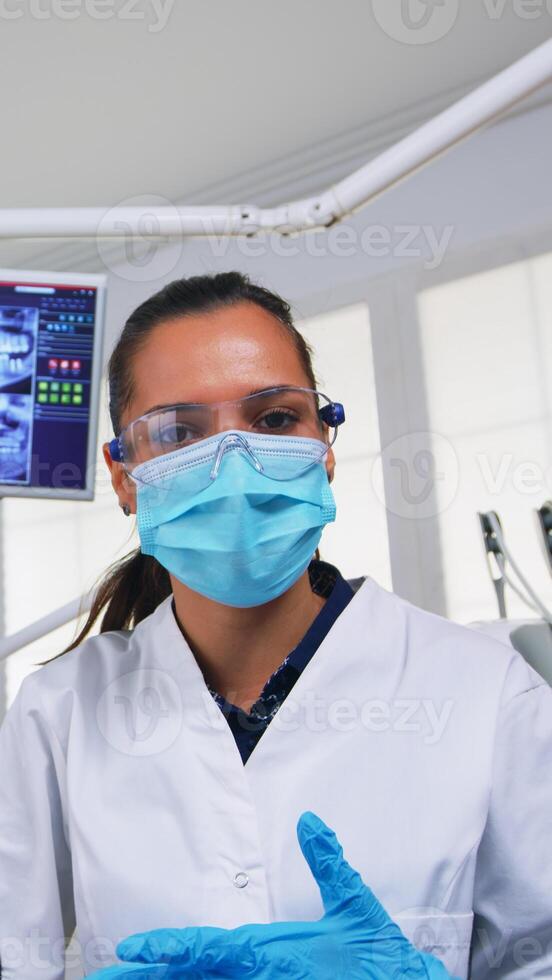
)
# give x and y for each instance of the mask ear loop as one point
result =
(234, 441)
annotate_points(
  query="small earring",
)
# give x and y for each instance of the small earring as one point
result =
(126, 509)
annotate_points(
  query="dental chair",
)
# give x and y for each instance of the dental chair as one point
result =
(530, 637)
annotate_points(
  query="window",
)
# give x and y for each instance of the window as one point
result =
(486, 343)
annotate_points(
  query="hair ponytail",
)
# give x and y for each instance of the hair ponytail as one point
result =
(134, 586)
(130, 590)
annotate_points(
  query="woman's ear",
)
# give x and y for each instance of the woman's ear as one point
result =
(330, 464)
(120, 481)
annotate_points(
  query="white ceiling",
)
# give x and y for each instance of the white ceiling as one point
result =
(97, 111)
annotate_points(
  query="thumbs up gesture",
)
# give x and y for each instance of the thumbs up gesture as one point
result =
(355, 938)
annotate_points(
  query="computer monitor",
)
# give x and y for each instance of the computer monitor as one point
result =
(51, 330)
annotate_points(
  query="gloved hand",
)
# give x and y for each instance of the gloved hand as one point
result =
(137, 971)
(354, 939)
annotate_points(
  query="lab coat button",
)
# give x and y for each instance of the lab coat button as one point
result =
(241, 879)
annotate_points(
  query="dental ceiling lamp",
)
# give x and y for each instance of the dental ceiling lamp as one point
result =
(444, 131)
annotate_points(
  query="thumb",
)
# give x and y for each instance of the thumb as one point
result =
(341, 887)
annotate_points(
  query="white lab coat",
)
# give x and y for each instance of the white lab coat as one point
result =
(125, 806)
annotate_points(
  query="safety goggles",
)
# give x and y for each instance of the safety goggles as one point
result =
(147, 446)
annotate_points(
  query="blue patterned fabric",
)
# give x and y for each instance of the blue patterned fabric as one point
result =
(248, 727)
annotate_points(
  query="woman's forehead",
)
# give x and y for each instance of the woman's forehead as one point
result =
(214, 356)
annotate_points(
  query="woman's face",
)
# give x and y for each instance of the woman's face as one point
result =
(216, 356)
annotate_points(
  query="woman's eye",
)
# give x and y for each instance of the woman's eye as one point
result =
(175, 434)
(277, 420)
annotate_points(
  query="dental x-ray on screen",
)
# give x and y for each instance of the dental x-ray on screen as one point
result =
(50, 347)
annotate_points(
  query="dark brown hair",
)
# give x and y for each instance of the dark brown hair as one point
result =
(134, 586)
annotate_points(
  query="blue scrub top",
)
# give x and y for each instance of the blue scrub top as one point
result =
(248, 727)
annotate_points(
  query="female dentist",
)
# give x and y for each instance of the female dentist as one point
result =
(173, 786)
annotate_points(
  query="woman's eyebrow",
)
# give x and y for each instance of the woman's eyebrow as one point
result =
(157, 408)
(256, 391)
(259, 391)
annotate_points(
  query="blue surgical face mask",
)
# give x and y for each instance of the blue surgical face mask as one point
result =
(211, 515)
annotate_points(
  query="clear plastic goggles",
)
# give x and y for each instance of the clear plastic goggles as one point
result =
(210, 430)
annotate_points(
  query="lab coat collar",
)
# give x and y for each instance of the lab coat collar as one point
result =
(349, 660)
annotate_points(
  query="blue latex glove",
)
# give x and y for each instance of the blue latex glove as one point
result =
(355, 938)
(137, 971)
